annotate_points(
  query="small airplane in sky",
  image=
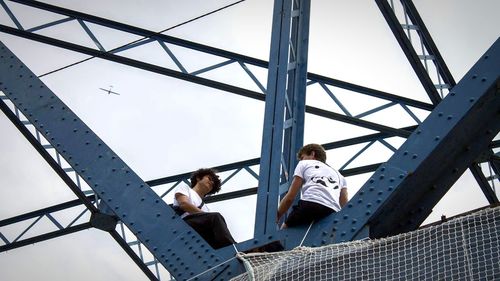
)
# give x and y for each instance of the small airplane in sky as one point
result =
(109, 91)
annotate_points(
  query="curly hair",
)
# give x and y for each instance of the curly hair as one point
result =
(200, 173)
(319, 152)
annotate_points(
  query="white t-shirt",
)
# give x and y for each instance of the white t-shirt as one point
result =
(322, 183)
(194, 198)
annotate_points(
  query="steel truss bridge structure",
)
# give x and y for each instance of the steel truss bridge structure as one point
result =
(459, 133)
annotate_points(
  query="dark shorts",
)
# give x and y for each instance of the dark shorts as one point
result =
(212, 227)
(306, 212)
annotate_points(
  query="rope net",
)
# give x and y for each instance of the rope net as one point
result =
(464, 248)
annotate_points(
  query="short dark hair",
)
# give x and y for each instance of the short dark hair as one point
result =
(200, 173)
(319, 151)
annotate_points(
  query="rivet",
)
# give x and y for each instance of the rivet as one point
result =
(369, 205)
(474, 76)
(436, 138)
(440, 114)
(414, 156)
(449, 117)
(483, 79)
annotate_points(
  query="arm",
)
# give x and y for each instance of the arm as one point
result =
(287, 201)
(185, 204)
(343, 197)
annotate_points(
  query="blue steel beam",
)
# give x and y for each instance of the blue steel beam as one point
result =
(285, 107)
(485, 186)
(186, 176)
(314, 78)
(407, 47)
(199, 80)
(429, 44)
(154, 223)
(150, 36)
(402, 192)
(87, 200)
(443, 78)
(44, 237)
(46, 156)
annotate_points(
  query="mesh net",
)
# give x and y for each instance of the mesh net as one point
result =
(465, 248)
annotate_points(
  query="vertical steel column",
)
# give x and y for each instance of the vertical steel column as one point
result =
(285, 106)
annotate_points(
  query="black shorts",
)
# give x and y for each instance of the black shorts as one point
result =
(212, 227)
(306, 212)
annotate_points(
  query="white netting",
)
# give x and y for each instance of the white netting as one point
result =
(465, 248)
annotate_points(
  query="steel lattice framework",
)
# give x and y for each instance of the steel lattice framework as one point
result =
(458, 134)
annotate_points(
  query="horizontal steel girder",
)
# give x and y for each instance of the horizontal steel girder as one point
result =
(211, 83)
(314, 78)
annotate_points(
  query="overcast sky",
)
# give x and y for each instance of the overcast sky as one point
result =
(161, 126)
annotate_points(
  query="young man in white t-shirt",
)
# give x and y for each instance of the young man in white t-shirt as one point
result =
(190, 206)
(323, 190)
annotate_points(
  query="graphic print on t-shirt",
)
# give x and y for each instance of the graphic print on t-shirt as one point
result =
(325, 181)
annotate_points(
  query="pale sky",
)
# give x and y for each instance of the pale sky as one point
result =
(161, 126)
